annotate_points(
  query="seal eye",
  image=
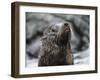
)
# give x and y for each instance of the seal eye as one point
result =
(53, 30)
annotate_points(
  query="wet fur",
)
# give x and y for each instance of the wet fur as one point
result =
(56, 49)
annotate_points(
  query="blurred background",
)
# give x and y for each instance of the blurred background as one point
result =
(36, 23)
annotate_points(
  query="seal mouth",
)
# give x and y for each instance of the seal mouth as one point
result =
(67, 29)
(64, 32)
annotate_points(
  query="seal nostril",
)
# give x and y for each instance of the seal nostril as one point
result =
(65, 24)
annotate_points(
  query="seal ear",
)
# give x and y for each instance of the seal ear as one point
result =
(69, 56)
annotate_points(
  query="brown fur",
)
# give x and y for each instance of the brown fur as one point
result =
(55, 49)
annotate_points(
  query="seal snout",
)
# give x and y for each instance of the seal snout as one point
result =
(67, 28)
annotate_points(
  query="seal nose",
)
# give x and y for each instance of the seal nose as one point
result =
(65, 24)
